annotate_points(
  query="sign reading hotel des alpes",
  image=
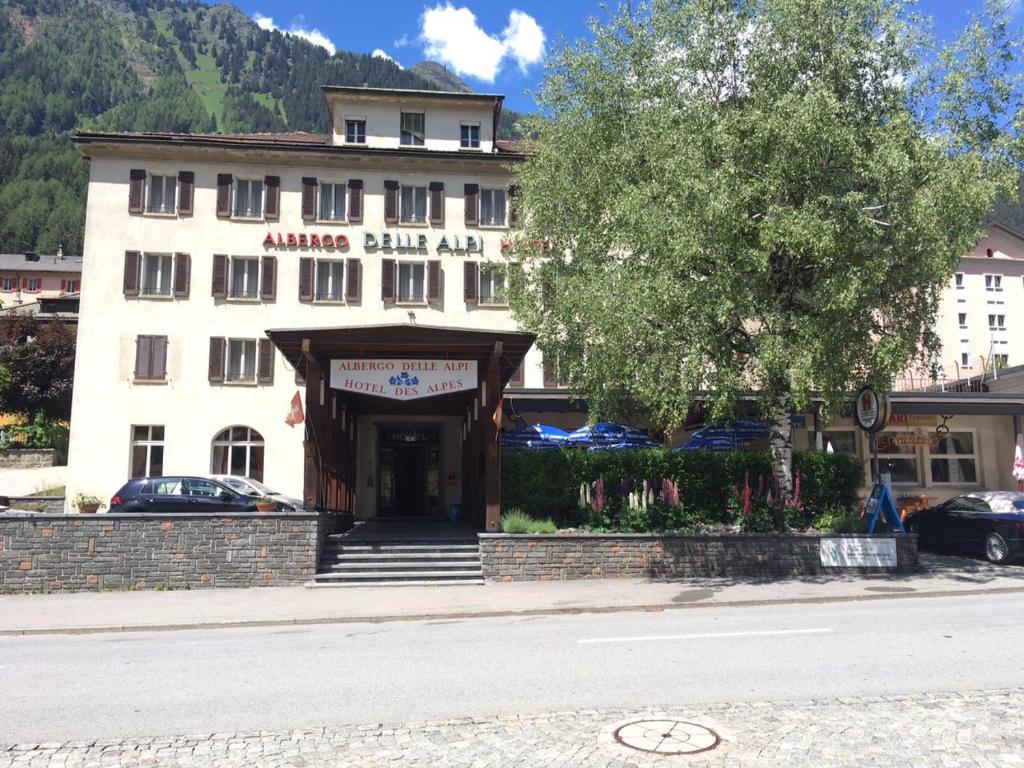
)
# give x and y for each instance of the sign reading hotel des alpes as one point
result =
(403, 379)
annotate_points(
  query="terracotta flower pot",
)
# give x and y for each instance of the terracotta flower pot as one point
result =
(88, 509)
(266, 507)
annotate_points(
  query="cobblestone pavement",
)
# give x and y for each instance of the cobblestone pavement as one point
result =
(978, 729)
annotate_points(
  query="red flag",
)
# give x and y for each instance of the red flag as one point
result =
(295, 414)
(496, 418)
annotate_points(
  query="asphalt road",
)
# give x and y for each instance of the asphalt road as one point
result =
(55, 688)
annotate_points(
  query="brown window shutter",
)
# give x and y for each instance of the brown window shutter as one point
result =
(434, 281)
(354, 277)
(472, 205)
(220, 276)
(131, 273)
(265, 371)
(186, 192)
(223, 195)
(513, 205)
(217, 358)
(308, 198)
(437, 203)
(268, 280)
(136, 189)
(355, 200)
(471, 284)
(387, 279)
(550, 379)
(158, 358)
(306, 279)
(517, 378)
(390, 202)
(143, 356)
(182, 274)
(272, 206)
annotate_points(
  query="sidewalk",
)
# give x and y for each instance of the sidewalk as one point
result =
(136, 611)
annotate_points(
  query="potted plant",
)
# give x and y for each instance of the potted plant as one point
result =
(266, 504)
(86, 504)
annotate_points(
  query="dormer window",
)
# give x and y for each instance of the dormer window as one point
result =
(413, 134)
(355, 131)
(469, 137)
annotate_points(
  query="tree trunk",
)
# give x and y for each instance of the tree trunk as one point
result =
(782, 447)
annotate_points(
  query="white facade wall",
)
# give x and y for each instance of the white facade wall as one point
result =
(108, 401)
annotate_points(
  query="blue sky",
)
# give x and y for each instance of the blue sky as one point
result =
(496, 46)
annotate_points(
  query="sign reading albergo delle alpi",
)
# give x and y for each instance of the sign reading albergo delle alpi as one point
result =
(403, 379)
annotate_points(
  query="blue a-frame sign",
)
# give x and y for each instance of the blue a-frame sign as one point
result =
(881, 502)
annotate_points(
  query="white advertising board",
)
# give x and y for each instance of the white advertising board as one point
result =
(846, 552)
(403, 379)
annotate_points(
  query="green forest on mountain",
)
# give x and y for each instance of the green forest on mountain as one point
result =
(148, 65)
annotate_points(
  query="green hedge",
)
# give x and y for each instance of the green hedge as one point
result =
(547, 483)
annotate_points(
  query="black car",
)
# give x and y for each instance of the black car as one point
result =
(991, 522)
(179, 494)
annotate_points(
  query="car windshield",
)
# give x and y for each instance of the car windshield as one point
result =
(259, 486)
(237, 485)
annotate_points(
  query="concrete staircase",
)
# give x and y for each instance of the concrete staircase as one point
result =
(353, 562)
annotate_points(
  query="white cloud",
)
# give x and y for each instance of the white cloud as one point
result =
(452, 36)
(402, 41)
(314, 36)
(380, 53)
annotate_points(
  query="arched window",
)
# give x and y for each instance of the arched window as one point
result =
(238, 451)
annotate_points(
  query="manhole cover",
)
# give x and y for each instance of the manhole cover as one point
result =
(667, 737)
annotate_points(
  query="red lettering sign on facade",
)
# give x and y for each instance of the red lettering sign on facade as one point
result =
(303, 240)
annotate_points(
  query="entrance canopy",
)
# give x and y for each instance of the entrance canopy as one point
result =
(405, 342)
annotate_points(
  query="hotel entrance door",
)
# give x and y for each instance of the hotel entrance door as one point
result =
(410, 472)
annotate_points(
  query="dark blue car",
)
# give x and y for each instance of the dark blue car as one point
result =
(177, 495)
(985, 522)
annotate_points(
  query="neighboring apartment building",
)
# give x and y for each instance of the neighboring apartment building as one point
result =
(229, 273)
(25, 278)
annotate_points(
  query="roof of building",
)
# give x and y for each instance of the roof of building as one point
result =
(357, 90)
(63, 307)
(292, 142)
(21, 262)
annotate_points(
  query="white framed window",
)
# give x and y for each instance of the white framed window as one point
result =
(958, 284)
(492, 207)
(961, 319)
(492, 284)
(71, 286)
(993, 282)
(413, 205)
(997, 322)
(238, 450)
(411, 281)
(1000, 360)
(330, 284)
(245, 278)
(147, 451)
(965, 360)
(161, 194)
(332, 202)
(900, 461)
(241, 360)
(469, 136)
(355, 131)
(35, 284)
(156, 274)
(9, 284)
(248, 198)
(412, 129)
(952, 459)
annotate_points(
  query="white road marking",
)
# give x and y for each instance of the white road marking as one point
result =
(708, 635)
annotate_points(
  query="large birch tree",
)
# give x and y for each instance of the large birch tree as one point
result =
(755, 196)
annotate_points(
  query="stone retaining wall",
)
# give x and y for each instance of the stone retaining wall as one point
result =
(50, 505)
(47, 553)
(524, 557)
(27, 458)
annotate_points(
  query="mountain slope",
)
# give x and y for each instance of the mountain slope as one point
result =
(136, 65)
(440, 77)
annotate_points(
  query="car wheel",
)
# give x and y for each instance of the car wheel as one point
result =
(996, 548)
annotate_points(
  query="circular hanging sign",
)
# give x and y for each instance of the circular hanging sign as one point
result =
(871, 410)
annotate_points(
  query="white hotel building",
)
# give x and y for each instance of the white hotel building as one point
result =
(229, 274)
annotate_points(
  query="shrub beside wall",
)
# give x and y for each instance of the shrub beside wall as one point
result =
(547, 483)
